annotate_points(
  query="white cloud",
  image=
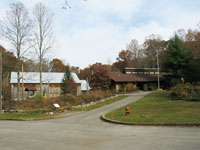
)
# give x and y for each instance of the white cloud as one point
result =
(2, 12)
(96, 30)
(180, 19)
(120, 8)
(153, 27)
(175, 14)
(91, 45)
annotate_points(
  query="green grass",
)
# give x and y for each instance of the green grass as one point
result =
(23, 116)
(94, 106)
(162, 109)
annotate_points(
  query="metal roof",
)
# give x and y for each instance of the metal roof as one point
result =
(47, 77)
(84, 85)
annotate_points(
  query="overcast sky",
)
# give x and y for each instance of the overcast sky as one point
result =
(96, 30)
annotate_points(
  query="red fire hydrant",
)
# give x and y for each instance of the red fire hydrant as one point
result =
(127, 110)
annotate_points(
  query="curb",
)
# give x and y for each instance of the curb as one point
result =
(95, 102)
(35, 119)
(102, 117)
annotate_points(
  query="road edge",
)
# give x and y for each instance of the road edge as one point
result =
(42, 118)
(103, 118)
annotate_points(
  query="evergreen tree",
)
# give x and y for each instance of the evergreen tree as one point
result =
(178, 60)
(68, 85)
(67, 74)
(195, 76)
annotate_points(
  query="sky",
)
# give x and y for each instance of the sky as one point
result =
(97, 30)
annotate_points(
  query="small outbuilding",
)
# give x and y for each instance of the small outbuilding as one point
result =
(51, 84)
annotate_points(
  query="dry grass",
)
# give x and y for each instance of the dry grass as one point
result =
(66, 102)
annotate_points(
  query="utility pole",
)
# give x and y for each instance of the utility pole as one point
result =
(22, 81)
(0, 82)
(158, 71)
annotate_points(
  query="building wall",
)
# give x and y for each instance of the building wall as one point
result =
(79, 92)
(49, 90)
(144, 86)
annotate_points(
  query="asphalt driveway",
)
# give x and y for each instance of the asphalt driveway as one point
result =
(85, 131)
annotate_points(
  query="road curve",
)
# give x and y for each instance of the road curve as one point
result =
(85, 131)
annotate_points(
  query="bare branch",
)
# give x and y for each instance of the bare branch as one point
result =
(67, 5)
(43, 34)
(16, 29)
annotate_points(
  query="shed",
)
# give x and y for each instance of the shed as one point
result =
(51, 86)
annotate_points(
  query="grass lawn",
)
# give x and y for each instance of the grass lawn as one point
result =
(94, 106)
(162, 109)
(22, 116)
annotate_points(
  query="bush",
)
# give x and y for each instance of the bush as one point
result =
(185, 91)
(73, 100)
(66, 101)
(108, 94)
(130, 87)
(38, 96)
(95, 95)
(39, 105)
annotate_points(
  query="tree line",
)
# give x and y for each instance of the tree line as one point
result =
(182, 48)
(179, 56)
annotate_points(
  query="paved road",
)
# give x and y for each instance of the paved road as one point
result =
(86, 131)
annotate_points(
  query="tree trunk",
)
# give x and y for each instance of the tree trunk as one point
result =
(18, 79)
(40, 76)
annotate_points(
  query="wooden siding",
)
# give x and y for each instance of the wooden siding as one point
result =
(51, 90)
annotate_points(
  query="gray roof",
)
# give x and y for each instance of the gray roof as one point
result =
(47, 77)
(84, 85)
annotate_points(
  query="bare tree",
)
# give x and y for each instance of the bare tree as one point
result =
(16, 29)
(43, 34)
(134, 48)
(152, 44)
(181, 33)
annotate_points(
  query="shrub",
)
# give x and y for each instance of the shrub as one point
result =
(38, 97)
(71, 99)
(130, 87)
(95, 95)
(108, 94)
(185, 91)
(65, 101)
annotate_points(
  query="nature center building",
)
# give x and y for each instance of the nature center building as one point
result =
(145, 79)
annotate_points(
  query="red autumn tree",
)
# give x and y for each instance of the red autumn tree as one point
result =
(87, 72)
(100, 80)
